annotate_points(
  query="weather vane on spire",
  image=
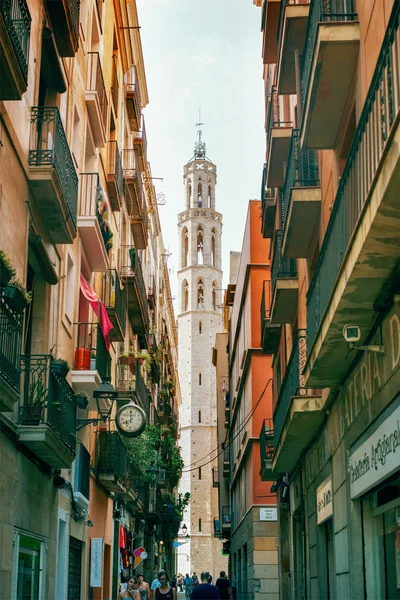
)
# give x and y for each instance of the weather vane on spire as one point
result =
(200, 147)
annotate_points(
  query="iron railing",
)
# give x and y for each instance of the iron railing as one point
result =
(301, 170)
(226, 515)
(226, 455)
(46, 398)
(82, 471)
(217, 528)
(114, 84)
(91, 353)
(266, 441)
(18, 22)
(114, 296)
(142, 392)
(293, 382)
(274, 116)
(93, 200)
(115, 166)
(131, 267)
(266, 300)
(281, 268)
(74, 6)
(379, 115)
(111, 455)
(215, 477)
(321, 11)
(95, 83)
(49, 146)
(11, 325)
(132, 85)
(132, 475)
(141, 136)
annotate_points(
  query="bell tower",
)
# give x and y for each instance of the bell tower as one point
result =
(199, 319)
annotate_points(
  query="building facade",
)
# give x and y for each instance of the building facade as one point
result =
(92, 302)
(199, 319)
(331, 210)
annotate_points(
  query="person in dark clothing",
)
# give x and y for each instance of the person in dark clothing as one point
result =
(224, 586)
(205, 591)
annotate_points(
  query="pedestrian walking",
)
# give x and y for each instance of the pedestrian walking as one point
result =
(205, 590)
(188, 583)
(234, 587)
(209, 580)
(224, 586)
(180, 582)
(130, 591)
(142, 587)
(195, 579)
(156, 583)
(173, 582)
(165, 591)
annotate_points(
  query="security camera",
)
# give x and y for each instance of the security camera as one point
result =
(351, 333)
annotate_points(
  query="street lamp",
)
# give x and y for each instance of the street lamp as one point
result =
(104, 395)
(184, 529)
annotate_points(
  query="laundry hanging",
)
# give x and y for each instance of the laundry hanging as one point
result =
(95, 302)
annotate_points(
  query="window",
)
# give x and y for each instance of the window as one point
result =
(29, 567)
(200, 525)
(70, 290)
(199, 378)
(199, 472)
(200, 328)
(199, 416)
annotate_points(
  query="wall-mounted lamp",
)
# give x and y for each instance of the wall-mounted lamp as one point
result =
(89, 523)
(104, 395)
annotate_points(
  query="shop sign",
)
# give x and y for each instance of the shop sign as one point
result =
(378, 456)
(269, 514)
(324, 501)
(96, 562)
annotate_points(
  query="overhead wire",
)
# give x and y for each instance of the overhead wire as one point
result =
(223, 444)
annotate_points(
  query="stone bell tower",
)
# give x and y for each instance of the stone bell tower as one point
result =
(199, 319)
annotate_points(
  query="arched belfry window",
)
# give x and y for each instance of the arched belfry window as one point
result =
(213, 247)
(200, 294)
(199, 194)
(214, 295)
(200, 248)
(209, 195)
(185, 247)
(189, 191)
(185, 295)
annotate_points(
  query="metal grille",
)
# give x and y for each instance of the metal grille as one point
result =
(18, 22)
(11, 325)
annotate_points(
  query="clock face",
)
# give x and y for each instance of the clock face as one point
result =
(130, 420)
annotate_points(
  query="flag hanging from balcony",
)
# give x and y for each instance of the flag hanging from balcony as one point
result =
(95, 302)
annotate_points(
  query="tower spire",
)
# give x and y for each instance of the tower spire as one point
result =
(200, 146)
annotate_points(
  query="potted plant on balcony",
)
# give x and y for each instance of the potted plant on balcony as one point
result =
(17, 296)
(36, 398)
(144, 358)
(123, 357)
(7, 271)
(82, 399)
(132, 360)
(60, 367)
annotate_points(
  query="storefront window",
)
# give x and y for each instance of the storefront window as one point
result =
(28, 567)
(381, 528)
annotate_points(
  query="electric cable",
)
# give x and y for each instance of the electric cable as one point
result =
(223, 444)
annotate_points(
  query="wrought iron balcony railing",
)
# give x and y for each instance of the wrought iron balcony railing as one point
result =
(131, 267)
(11, 325)
(274, 116)
(114, 84)
(142, 392)
(281, 268)
(114, 296)
(266, 300)
(379, 115)
(46, 398)
(226, 516)
(115, 166)
(132, 475)
(141, 136)
(266, 441)
(111, 455)
(49, 146)
(226, 455)
(91, 353)
(92, 198)
(301, 170)
(18, 22)
(215, 477)
(322, 11)
(95, 83)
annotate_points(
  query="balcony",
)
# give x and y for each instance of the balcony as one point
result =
(142, 393)
(217, 528)
(15, 31)
(269, 27)
(361, 245)
(114, 84)
(114, 176)
(226, 463)
(94, 229)
(164, 410)
(270, 332)
(132, 181)
(298, 413)
(292, 28)
(81, 482)
(92, 362)
(155, 358)
(329, 58)
(268, 207)
(215, 479)
(133, 100)
(52, 174)
(64, 19)
(267, 451)
(96, 99)
(140, 144)
(301, 200)
(226, 521)
(130, 493)
(47, 413)
(132, 278)
(114, 298)
(111, 461)
(279, 134)
(285, 285)
(11, 326)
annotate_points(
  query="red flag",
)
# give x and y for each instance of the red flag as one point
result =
(93, 299)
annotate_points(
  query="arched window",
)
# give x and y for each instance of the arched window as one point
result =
(213, 247)
(200, 195)
(185, 247)
(200, 294)
(185, 295)
(189, 191)
(200, 245)
(209, 195)
(214, 296)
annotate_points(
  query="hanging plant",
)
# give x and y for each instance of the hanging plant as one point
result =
(7, 271)
(17, 296)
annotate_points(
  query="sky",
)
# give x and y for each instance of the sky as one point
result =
(204, 53)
